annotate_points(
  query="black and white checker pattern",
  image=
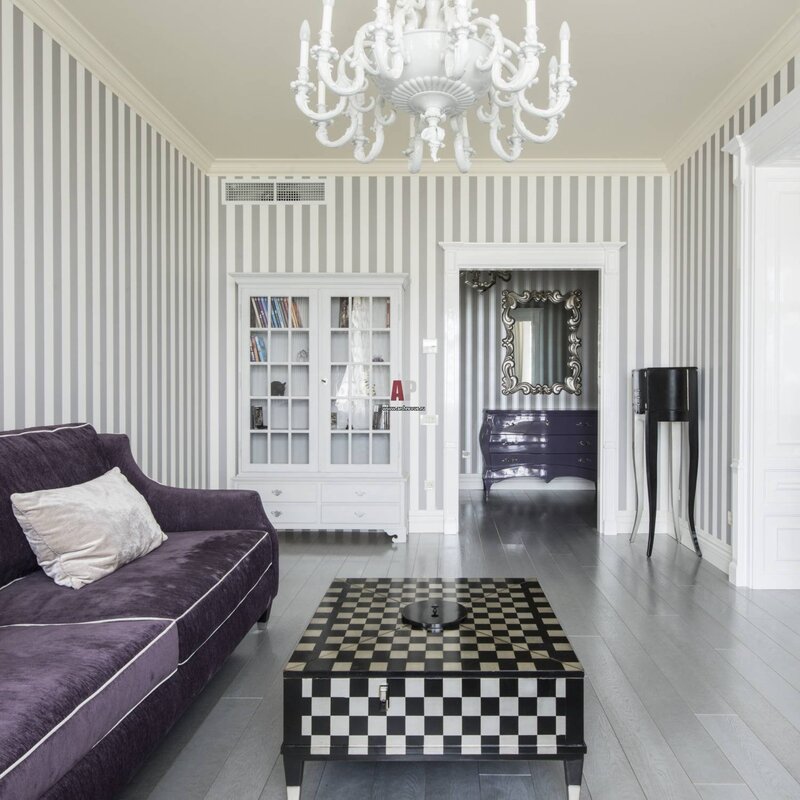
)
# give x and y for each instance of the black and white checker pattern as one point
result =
(432, 716)
(358, 629)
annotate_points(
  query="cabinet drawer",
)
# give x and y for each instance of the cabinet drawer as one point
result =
(286, 492)
(359, 514)
(361, 493)
(546, 443)
(293, 513)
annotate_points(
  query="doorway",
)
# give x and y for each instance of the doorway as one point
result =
(602, 257)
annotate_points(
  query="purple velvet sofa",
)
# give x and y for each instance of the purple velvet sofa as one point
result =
(90, 680)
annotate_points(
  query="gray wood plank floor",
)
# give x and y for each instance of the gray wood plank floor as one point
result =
(693, 686)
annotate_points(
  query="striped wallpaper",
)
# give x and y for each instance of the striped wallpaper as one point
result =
(394, 224)
(703, 292)
(101, 235)
(482, 353)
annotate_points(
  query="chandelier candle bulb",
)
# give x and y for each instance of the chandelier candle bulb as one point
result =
(305, 36)
(564, 36)
(327, 15)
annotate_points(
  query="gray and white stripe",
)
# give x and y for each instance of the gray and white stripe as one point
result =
(394, 224)
(102, 263)
(703, 292)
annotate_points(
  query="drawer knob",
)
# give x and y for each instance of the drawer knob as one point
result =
(584, 460)
(359, 514)
(277, 513)
(277, 492)
(584, 443)
(360, 493)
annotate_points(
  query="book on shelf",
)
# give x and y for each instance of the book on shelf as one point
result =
(257, 317)
(258, 350)
(297, 319)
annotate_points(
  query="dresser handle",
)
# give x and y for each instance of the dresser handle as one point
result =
(584, 443)
(277, 513)
(582, 424)
(360, 493)
(277, 492)
(584, 460)
(359, 514)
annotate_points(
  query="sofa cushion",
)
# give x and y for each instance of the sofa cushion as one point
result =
(64, 687)
(196, 578)
(40, 458)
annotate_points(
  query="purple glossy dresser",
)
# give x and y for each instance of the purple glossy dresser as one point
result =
(538, 444)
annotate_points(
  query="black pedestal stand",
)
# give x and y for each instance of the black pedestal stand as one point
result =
(665, 394)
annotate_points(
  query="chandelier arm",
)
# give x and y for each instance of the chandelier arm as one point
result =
(497, 145)
(347, 136)
(544, 113)
(301, 98)
(361, 141)
(343, 86)
(498, 42)
(461, 146)
(528, 135)
(415, 150)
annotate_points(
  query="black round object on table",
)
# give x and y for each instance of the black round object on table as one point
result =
(434, 615)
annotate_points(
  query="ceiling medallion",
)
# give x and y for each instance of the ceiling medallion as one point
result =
(434, 60)
(481, 280)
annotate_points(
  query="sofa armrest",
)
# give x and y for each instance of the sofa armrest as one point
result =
(188, 509)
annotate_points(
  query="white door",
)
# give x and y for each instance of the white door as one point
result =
(776, 381)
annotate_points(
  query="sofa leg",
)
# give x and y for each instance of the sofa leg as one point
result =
(265, 616)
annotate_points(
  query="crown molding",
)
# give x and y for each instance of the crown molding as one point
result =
(771, 58)
(325, 167)
(51, 16)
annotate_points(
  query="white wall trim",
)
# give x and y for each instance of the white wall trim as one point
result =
(715, 551)
(426, 522)
(315, 167)
(51, 16)
(776, 52)
(473, 481)
(602, 256)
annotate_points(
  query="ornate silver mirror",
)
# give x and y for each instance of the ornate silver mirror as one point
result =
(541, 342)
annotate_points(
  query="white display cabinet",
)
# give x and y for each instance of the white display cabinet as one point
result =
(317, 357)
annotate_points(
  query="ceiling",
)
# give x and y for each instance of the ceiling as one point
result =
(646, 71)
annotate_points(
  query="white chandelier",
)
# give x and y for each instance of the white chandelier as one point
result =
(434, 67)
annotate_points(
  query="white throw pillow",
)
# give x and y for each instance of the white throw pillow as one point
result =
(82, 533)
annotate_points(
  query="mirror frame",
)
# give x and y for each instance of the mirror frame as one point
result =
(509, 381)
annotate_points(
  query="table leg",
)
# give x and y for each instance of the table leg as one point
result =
(639, 499)
(670, 470)
(651, 467)
(573, 771)
(693, 464)
(293, 769)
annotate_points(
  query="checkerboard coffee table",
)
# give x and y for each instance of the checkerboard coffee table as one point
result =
(364, 685)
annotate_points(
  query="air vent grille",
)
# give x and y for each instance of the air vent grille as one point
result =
(300, 192)
(250, 192)
(257, 192)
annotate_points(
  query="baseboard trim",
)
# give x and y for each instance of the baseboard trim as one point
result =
(472, 481)
(716, 552)
(426, 522)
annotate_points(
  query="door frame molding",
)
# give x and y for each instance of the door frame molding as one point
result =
(601, 256)
(772, 142)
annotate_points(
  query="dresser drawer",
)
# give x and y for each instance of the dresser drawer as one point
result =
(291, 513)
(360, 513)
(544, 443)
(502, 460)
(288, 492)
(541, 422)
(361, 493)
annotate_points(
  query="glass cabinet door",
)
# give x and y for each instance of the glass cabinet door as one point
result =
(279, 379)
(360, 382)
